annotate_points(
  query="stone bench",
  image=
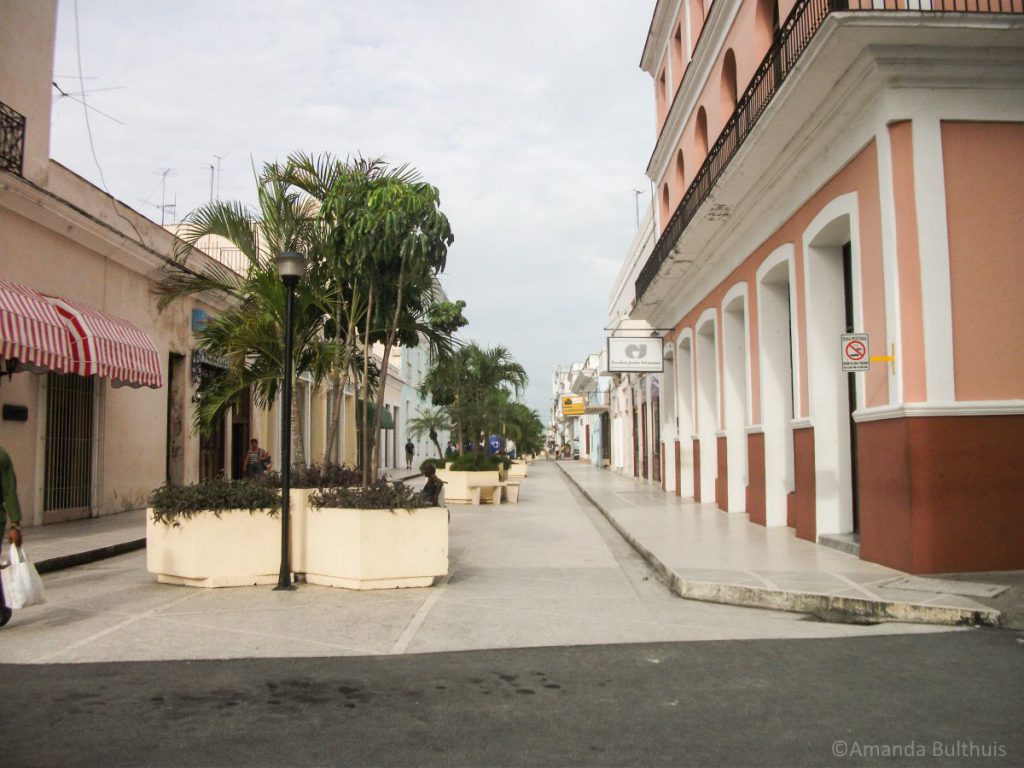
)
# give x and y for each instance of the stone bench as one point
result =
(476, 494)
(510, 490)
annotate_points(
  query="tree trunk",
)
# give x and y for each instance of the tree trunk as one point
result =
(334, 412)
(365, 390)
(388, 344)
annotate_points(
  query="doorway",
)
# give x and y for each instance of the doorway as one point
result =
(70, 429)
(832, 272)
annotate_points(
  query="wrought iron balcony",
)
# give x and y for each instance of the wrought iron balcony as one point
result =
(12, 139)
(790, 41)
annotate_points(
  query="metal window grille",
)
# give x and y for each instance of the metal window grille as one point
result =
(12, 139)
(69, 441)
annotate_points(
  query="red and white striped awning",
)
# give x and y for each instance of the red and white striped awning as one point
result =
(108, 346)
(32, 332)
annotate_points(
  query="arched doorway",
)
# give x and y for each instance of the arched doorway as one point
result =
(707, 404)
(775, 331)
(734, 388)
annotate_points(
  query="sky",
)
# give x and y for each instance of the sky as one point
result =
(532, 118)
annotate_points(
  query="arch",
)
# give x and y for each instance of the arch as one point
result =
(685, 412)
(668, 429)
(665, 205)
(700, 133)
(776, 297)
(766, 24)
(707, 401)
(736, 394)
(680, 173)
(677, 56)
(830, 245)
(728, 93)
(654, 430)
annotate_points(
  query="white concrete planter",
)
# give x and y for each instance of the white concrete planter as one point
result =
(374, 548)
(517, 470)
(235, 549)
(351, 548)
(459, 486)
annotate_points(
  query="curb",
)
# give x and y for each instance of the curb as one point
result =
(62, 562)
(825, 607)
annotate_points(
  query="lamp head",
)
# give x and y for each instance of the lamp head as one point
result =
(291, 267)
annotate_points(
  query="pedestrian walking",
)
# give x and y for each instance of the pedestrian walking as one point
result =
(10, 511)
(256, 460)
(449, 451)
(410, 451)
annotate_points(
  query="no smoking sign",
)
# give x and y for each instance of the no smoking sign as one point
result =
(856, 355)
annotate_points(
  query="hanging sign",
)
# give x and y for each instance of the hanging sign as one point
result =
(635, 354)
(855, 352)
(573, 405)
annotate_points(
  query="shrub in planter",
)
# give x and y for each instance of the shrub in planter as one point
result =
(324, 476)
(173, 503)
(476, 462)
(379, 495)
(218, 533)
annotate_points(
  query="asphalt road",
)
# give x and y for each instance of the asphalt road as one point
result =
(937, 699)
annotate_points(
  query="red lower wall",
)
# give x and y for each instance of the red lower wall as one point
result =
(755, 478)
(942, 494)
(800, 509)
(722, 481)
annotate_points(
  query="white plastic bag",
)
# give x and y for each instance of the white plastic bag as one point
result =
(21, 582)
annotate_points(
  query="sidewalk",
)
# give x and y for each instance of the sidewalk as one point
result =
(711, 555)
(702, 552)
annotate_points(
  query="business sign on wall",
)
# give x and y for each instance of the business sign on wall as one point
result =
(636, 354)
(573, 405)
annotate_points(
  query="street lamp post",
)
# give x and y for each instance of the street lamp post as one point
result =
(290, 266)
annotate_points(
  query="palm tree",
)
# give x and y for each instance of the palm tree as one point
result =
(387, 242)
(429, 422)
(474, 385)
(249, 334)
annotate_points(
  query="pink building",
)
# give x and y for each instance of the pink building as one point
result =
(827, 167)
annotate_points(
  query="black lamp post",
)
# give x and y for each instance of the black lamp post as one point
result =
(290, 266)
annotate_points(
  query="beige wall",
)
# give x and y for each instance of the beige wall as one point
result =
(28, 29)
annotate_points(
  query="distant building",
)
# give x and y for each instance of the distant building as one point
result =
(831, 167)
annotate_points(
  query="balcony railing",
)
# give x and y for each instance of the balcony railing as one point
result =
(789, 43)
(12, 139)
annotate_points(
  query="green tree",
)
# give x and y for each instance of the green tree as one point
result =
(474, 385)
(430, 422)
(401, 237)
(249, 334)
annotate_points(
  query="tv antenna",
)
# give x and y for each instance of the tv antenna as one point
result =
(219, 158)
(164, 205)
(74, 96)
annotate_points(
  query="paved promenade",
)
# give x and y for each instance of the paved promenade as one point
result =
(548, 571)
(708, 554)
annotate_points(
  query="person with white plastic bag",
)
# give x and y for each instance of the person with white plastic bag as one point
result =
(10, 510)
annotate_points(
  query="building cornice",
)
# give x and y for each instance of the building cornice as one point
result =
(848, 86)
